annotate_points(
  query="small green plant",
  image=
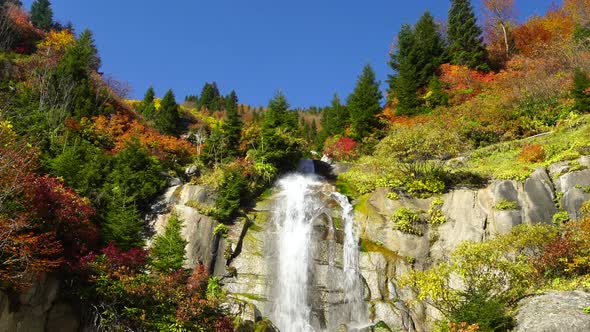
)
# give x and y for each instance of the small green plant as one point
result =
(585, 209)
(586, 310)
(228, 252)
(576, 166)
(405, 220)
(392, 196)
(505, 205)
(435, 212)
(221, 229)
(214, 290)
(561, 218)
(424, 188)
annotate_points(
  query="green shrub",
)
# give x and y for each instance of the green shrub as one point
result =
(405, 220)
(424, 188)
(230, 195)
(221, 229)
(561, 218)
(435, 212)
(505, 205)
(392, 195)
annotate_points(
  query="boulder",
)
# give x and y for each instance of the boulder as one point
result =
(554, 312)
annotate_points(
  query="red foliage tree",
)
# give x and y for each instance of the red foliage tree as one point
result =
(343, 148)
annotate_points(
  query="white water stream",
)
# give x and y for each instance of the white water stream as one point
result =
(299, 203)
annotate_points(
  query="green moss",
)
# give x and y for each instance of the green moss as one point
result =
(253, 297)
(505, 205)
(363, 205)
(343, 187)
(265, 195)
(370, 246)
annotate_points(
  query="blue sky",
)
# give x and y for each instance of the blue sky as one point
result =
(308, 49)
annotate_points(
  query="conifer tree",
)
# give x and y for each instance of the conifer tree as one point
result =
(232, 127)
(168, 251)
(210, 98)
(334, 119)
(428, 47)
(364, 103)
(167, 116)
(404, 84)
(465, 37)
(436, 96)
(581, 92)
(123, 224)
(148, 107)
(42, 14)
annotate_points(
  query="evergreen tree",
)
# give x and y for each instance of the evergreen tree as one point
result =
(334, 119)
(167, 116)
(580, 91)
(87, 41)
(210, 97)
(436, 96)
(148, 107)
(365, 103)
(428, 47)
(123, 224)
(405, 84)
(42, 14)
(168, 253)
(280, 143)
(232, 127)
(465, 37)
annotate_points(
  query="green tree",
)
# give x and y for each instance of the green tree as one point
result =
(465, 37)
(580, 91)
(232, 127)
(334, 119)
(167, 117)
(365, 103)
(15, 2)
(281, 141)
(148, 107)
(428, 48)
(168, 253)
(210, 98)
(436, 96)
(123, 224)
(42, 14)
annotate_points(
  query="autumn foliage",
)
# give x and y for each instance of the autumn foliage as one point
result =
(116, 130)
(533, 153)
(341, 148)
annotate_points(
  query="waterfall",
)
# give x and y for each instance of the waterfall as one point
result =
(293, 216)
(353, 286)
(299, 203)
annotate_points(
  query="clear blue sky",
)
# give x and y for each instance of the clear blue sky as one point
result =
(309, 49)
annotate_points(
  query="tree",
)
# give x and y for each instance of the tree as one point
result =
(334, 118)
(148, 107)
(14, 2)
(466, 46)
(167, 116)
(581, 92)
(365, 103)
(501, 16)
(436, 96)
(168, 252)
(210, 97)
(232, 127)
(428, 47)
(42, 14)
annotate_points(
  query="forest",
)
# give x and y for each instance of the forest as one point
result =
(467, 101)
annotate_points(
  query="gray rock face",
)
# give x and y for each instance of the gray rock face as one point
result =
(198, 228)
(554, 312)
(38, 309)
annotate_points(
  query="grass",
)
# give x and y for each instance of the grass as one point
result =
(569, 141)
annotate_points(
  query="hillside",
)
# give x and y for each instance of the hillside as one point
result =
(468, 182)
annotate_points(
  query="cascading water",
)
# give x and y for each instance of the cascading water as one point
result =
(353, 286)
(295, 210)
(301, 202)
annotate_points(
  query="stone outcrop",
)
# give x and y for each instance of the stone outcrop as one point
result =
(554, 312)
(38, 309)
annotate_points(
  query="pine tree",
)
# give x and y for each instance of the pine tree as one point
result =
(210, 98)
(148, 107)
(428, 47)
(465, 37)
(436, 96)
(87, 40)
(404, 85)
(42, 14)
(365, 103)
(580, 91)
(167, 116)
(232, 127)
(168, 251)
(123, 224)
(334, 120)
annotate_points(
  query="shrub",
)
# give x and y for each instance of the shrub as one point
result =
(435, 212)
(561, 218)
(231, 192)
(405, 220)
(533, 153)
(341, 148)
(424, 188)
(504, 205)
